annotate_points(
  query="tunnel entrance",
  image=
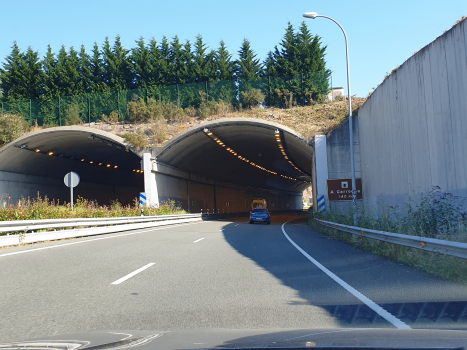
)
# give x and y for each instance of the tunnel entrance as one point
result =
(37, 162)
(226, 163)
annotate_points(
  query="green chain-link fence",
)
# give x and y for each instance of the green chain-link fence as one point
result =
(270, 91)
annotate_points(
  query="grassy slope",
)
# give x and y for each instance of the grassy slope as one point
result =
(309, 120)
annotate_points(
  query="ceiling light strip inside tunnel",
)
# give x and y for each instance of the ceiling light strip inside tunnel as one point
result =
(277, 135)
(216, 139)
(61, 155)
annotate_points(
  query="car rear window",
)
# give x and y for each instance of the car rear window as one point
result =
(262, 211)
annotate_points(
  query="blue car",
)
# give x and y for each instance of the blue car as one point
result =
(260, 215)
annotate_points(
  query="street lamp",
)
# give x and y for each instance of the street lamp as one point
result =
(314, 15)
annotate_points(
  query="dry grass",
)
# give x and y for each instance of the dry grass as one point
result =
(308, 121)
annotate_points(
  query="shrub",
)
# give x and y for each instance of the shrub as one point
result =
(157, 131)
(73, 115)
(12, 126)
(137, 139)
(287, 98)
(252, 98)
(140, 111)
(112, 118)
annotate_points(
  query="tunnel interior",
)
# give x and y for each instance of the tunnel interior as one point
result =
(258, 155)
(107, 169)
(243, 151)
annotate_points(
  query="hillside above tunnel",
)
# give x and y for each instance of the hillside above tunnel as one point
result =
(308, 121)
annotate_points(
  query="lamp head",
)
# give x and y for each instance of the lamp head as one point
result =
(311, 15)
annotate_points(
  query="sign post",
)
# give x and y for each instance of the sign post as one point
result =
(71, 180)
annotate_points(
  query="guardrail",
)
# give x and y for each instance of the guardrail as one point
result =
(31, 225)
(424, 243)
(25, 231)
(98, 226)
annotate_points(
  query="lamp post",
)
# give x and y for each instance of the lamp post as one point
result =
(314, 15)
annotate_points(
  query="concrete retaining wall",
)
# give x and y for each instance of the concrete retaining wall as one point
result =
(413, 127)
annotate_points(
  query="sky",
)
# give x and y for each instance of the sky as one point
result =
(382, 33)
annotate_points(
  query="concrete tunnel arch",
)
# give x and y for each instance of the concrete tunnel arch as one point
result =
(233, 160)
(192, 168)
(37, 162)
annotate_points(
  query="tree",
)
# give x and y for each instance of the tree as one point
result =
(117, 66)
(49, 67)
(186, 68)
(203, 61)
(67, 68)
(155, 57)
(74, 74)
(248, 66)
(225, 67)
(165, 65)
(85, 70)
(300, 60)
(177, 64)
(21, 75)
(142, 68)
(285, 58)
(98, 83)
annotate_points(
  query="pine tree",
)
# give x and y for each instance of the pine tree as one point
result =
(141, 64)
(203, 61)
(73, 73)
(12, 79)
(49, 67)
(155, 57)
(165, 65)
(98, 83)
(32, 74)
(85, 70)
(286, 57)
(117, 68)
(187, 63)
(299, 58)
(225, 67)
(248, 66)
(62, 73)
(68, 75)
(177, 66)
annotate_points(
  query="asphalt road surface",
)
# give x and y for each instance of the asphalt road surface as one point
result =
(215, 274)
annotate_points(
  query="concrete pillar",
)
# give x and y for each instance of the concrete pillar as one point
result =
(150, 183)
(320, 192)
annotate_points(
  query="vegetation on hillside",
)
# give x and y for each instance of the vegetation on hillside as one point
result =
(151, 124)
(46, 208)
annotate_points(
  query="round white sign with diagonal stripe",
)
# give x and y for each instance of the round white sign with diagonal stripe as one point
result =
(71, 179)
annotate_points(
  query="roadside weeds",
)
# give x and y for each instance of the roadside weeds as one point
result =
(448, 267)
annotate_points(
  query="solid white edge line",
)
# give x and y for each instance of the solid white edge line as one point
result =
(98, 239)
(124, 278)
(368, 302)
(198, 240)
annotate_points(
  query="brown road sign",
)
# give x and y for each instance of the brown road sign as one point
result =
(341, 189)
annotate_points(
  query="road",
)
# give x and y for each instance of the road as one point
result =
(214, 274)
